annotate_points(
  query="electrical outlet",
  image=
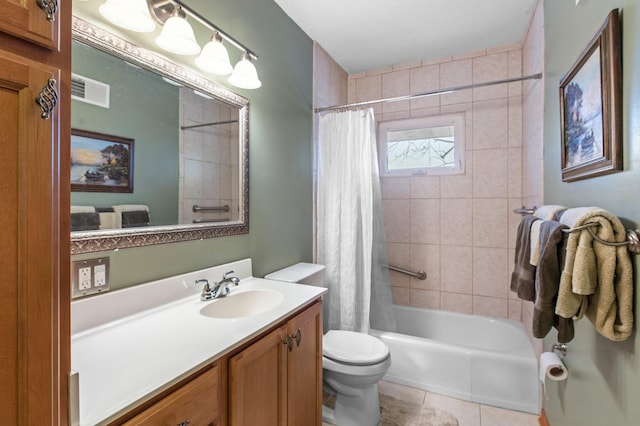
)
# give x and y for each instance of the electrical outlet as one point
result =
(99, 275)
(84, 278)
(90, 276)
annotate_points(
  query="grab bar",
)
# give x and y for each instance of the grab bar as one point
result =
(197, 208)
(226, 219)
(421, 275)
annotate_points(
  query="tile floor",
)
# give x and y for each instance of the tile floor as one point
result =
(467, 413)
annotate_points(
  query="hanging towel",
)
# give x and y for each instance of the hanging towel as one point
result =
(535, 242)
(85, 221)
(83, 209)
(597, 279)
(552, 242)
(549, 212)
(130, 208)
(523, 276)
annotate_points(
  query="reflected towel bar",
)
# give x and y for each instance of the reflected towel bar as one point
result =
(197, 208)
(226, 219)
(421, 275)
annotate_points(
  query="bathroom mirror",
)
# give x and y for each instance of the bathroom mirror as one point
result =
(191, 154)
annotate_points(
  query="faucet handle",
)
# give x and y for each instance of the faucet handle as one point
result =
(207, 293)
(224, 276)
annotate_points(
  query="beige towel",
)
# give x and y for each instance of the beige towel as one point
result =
(597, 279)
(130, 208)
(110, 220)
(535, 243)
(83, 209)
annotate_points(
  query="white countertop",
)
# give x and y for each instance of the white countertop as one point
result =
(126, 355)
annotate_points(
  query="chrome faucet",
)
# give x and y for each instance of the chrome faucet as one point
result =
(221, 289)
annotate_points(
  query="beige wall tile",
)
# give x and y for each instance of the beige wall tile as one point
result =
(425, 221)
(515, 309)
(425, 299)
(455, 74)
(454, 302)
(425, 187)
(459, 186)
(490, 68)
(396, 188)
(422, 80)
(490, 173)
(396, 220)
(515, 121)
(490, 124)
(514, 177)
(456, 221)
(489, 220)
(456, 263)
(490, 306)
(490, 276)
(401, 296)
(395, 84)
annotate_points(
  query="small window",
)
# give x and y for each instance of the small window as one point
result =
(427, 145)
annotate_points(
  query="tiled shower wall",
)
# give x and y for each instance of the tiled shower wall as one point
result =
(459, 229)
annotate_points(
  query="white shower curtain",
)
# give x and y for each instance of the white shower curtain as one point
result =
(349, 215)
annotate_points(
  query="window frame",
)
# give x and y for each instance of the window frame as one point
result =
(458, 121)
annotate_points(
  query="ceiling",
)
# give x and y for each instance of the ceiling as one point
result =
(370, 34)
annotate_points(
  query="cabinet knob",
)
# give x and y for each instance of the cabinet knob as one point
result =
(47, 99)
(185, 423)
(297, 337)
(50, 7)
(289, 342)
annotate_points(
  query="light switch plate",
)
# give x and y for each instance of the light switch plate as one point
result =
(90, 276)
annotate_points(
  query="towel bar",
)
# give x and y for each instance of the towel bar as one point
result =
(525, 211)
(633, 237)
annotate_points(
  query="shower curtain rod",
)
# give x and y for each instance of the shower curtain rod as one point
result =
(432, 93)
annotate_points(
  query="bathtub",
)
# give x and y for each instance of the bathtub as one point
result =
(470, 357)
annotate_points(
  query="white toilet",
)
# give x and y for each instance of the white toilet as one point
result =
(352, 362)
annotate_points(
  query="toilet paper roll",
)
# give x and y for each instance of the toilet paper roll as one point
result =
(551, 367)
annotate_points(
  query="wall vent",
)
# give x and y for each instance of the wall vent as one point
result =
(90, 91)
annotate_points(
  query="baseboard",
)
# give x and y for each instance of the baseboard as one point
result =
(542, 420)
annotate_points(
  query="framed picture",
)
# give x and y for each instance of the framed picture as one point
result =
(101, 163)
(591, 107)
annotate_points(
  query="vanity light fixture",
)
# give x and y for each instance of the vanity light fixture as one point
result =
(244, 74)
(132, 15)
(214, 57)
(177, 35)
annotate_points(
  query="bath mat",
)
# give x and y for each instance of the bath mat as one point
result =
(395, 412)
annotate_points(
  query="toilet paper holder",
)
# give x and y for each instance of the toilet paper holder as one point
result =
(560, 347)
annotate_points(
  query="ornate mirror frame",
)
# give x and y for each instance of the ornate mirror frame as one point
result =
(91, 241)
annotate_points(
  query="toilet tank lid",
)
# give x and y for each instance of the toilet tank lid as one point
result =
(295, 273)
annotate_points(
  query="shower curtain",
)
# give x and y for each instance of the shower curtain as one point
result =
(350, 228)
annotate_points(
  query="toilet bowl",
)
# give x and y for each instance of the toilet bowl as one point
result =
(352, 362)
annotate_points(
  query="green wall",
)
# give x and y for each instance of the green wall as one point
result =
(603, 387)
(144, 108)
(280, 133)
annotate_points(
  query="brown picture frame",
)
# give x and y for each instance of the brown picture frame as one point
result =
(101, 162)
(591, 107)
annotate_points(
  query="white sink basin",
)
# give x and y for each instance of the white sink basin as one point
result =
(243, 304)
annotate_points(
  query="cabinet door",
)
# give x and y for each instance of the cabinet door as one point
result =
(26, 20)
(29, 310)
(257, 383)
(304, 368)
(195, 403)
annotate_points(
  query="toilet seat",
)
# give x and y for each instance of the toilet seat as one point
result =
(353, 348)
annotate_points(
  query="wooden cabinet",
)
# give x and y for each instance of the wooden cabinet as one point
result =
(34, 277)
(34, 20)
(278, 379)
(195, 403)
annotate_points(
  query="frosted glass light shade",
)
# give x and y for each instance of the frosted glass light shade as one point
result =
(214, 58)
(244, 74)
(132, 15)
(177, 37)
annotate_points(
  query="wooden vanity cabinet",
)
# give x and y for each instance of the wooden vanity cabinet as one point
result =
(277, 380)
(195, 403)
(34, 215)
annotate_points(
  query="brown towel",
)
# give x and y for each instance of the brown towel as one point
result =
(85, 221)
(523, 276)
(552, 248)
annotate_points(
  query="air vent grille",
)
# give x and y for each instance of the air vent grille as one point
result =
(91, 91)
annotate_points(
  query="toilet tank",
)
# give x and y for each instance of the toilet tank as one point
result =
(302, 273)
